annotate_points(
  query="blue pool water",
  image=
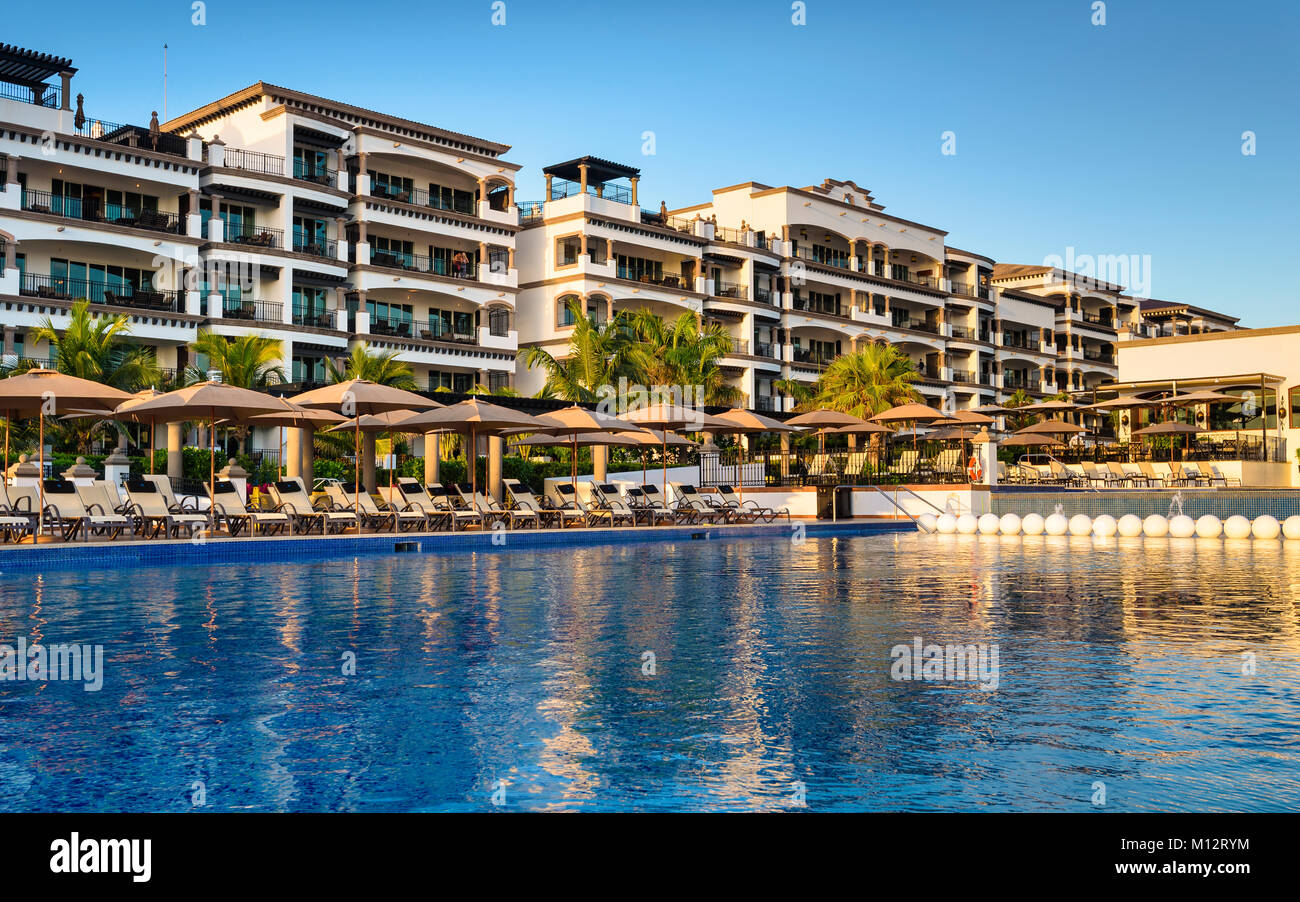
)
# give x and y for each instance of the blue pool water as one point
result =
(1120, 664)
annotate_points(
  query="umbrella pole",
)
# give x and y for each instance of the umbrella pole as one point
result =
(8, 415)
(212, 475)
(40, 479)
(396, 519)
(356, 470)
(665, 463)
(153, 442)
(280, 447)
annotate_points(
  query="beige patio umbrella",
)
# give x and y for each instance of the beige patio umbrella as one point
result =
(295, 418)
(575, 420)
(1049, 406)
(913, 413)
(42, 392)
(471, 417)
(121, 414)
(674, 417)
(357, 397)
(388, 422)
(656, 438)
(971, 418)
(1052, 427)
(1170, 428)
(823, 420)
(1030, 440)
(219, 402)
(748, 423)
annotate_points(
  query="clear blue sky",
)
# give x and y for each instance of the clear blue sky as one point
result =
(1118, 139)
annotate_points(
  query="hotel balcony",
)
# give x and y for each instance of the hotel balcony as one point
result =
(134, 136)
(97, 211)
(438, 266)
(47, 96)
(315, 317)
(252, 310)
(766, 404)
(248, 160)
(316, 173)
(141, 297)
(315, 246)
(254, 236)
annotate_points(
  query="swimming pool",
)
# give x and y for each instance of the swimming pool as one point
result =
(522, 678)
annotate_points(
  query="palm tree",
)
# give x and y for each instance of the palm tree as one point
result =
(682, 353)
(868, 381)
(383, 368)
(599, 354)
(246, 361)
(1020, 398)
(95, 348)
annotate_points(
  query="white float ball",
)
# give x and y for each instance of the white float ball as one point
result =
(1105, 526)
(926, 522)
(1209, 527)
(946, 524)
(1010, 524)
(1081, 525)
(1236, 527)
(1266, 527)
(967, 524)
(1182, 527)
(1130, 525)
(1056, 525)
(989, 525)
(1155, 526)
(1291, 527)
(1032, 525)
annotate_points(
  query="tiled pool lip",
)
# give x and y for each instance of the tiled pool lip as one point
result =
(155, 552)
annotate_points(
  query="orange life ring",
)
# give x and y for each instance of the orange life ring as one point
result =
(974, 472)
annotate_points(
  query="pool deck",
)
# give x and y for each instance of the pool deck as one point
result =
(177, 552)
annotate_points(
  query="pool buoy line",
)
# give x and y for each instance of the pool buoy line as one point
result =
(1105, 526)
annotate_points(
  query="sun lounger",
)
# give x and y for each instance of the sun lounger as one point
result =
(408, 494)
(655, 499)
(650, 512)
(362, 508)
(149, 508)
(289, 496)
(228, 507)
(513, 517)
(693, 502)
(731, 500)
(446, 502)
(607, 497)
(555, 516)
(17, 514)
(569, 499)
(65, 509)
(177, 505)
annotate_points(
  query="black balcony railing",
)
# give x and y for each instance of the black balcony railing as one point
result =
(253, 235)
(438, 266)
(1096, 319)
(1012, 340)
(963, 289)
(561, 188)
(311, 172)
(134, 136)
(764, 349)
(729, 290)
(763, 295)
(315, 247)
(40, 95)
(826, 308)
(116, 214)
(317, 317)
(59, 288)
(667, 280)
(811, 358)
(765, 403)
(254, 161)
(965, 376)
(916, 325)
(253, 310)
(818, 255)
(529, 211)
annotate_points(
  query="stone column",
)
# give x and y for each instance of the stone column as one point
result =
(11, 170)
(432, 457)
(548, 188)
(293, 453)
(308, 469)
(66, 77)
(368, 461)
(175, 465)
(582, 172)
(634, 180)
(599, 462)
(495, 443)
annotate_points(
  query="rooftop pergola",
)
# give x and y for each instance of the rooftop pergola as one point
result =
(592, 172)
(32, 69)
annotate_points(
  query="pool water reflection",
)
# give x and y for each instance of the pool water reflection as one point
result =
(1120, 662)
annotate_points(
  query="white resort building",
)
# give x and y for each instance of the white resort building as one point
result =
(316, 223)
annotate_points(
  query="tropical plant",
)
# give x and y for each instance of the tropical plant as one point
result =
(383, 368)
(684, 353)
(1020, 398)
(599, 355)
(245, 361)
(95, 348)
(868, 381)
